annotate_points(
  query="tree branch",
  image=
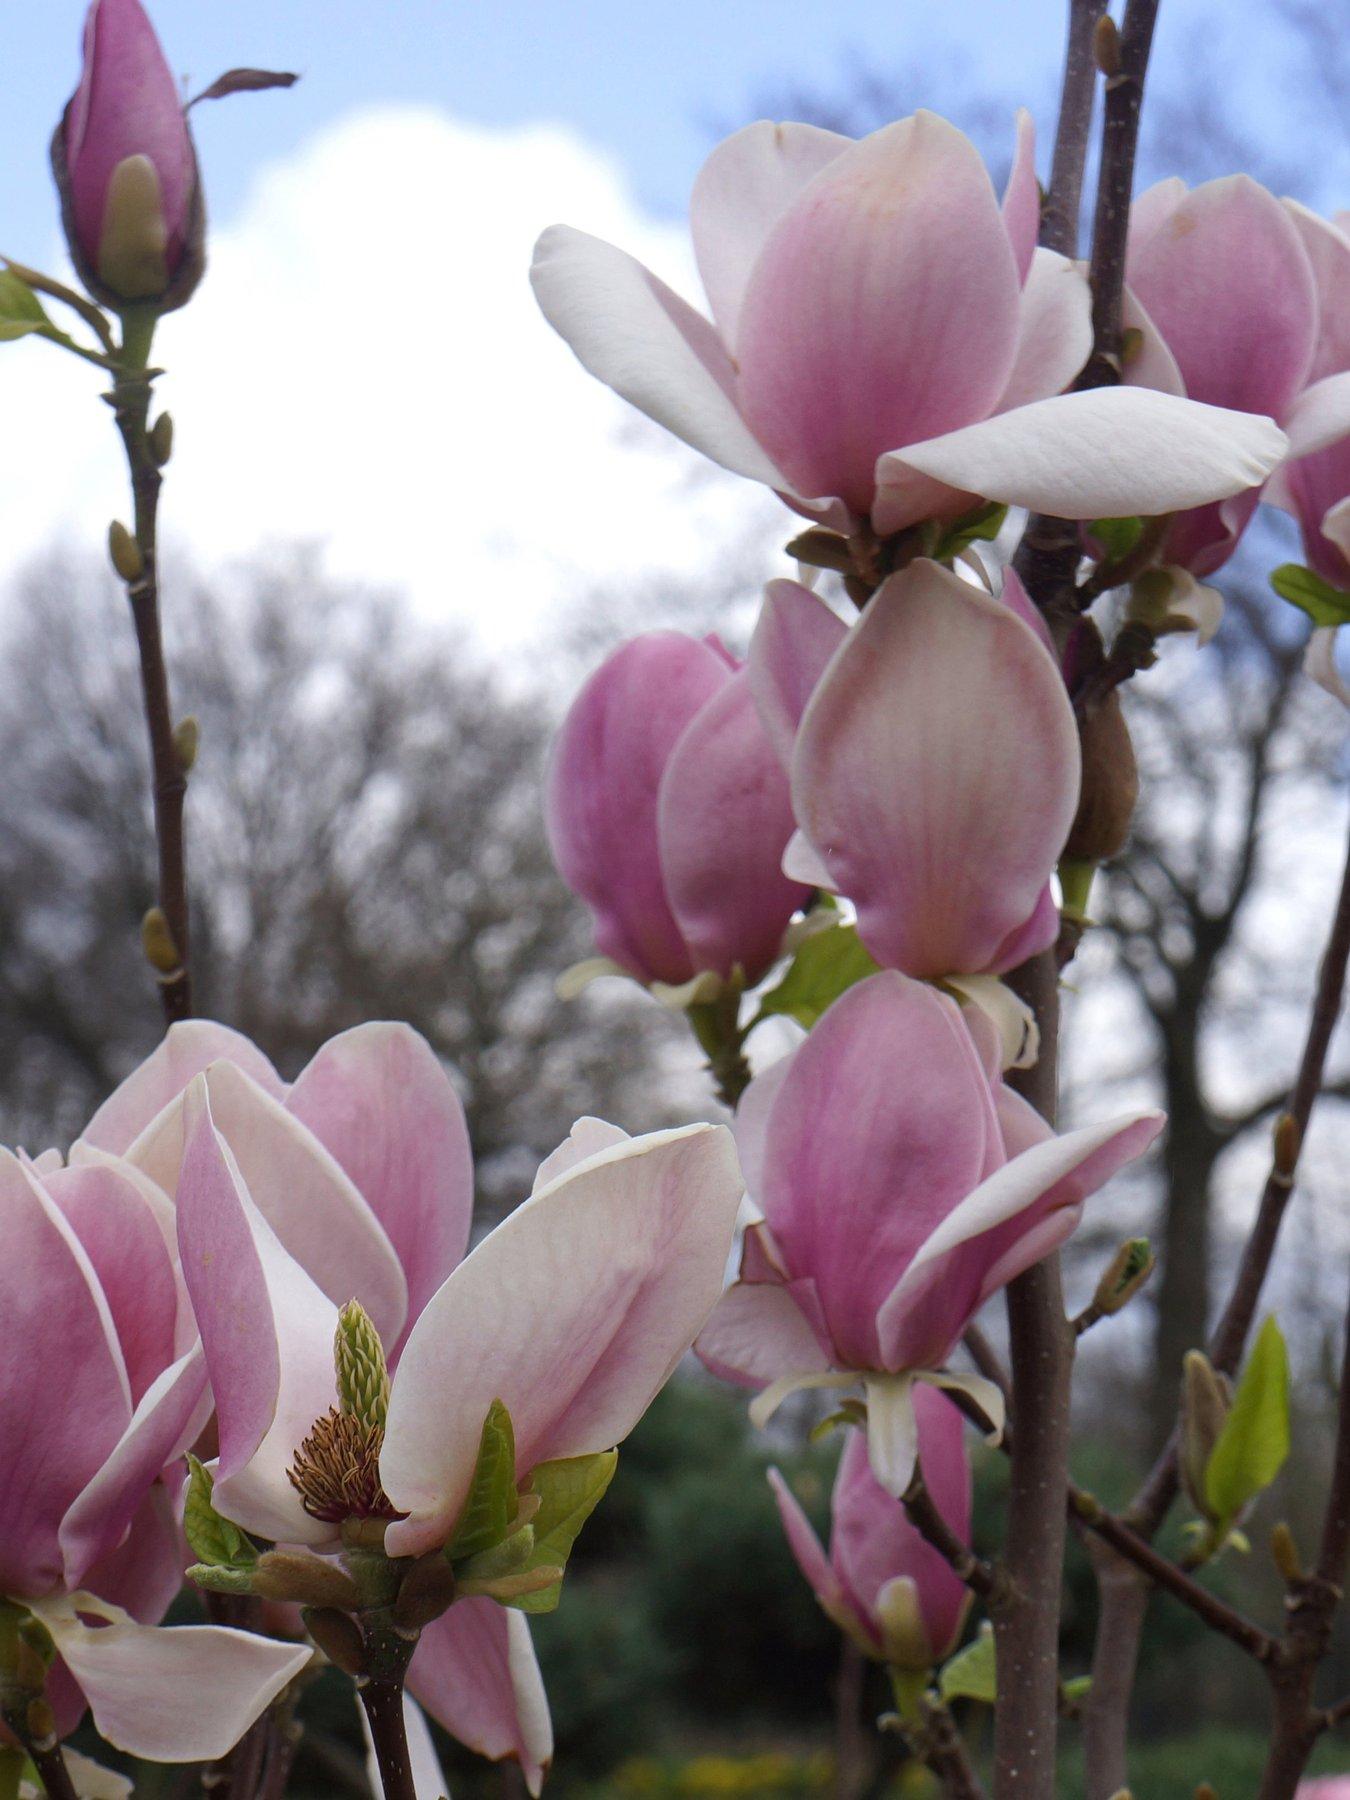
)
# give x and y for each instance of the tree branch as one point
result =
(924, 1516)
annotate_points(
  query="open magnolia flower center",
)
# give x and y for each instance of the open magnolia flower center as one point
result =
(336, 1471)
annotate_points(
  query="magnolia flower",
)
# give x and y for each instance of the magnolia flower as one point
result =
(573, 1313)
(126, 169)
(883, 1583)
(934, 764)
(887, 343)
(901, 1185)
(102, 1386)
(1224, 285)
(668, 814)
(361, 1166)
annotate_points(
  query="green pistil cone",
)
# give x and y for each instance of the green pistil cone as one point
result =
(362, 1375)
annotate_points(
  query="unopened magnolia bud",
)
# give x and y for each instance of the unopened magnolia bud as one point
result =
(40, 1722)
(1288, 1142)
(428, 1589)
(186, 737)
(1205, 1399)
(125, 552)
(291, 1575)
(362, 1374)
(1126, 1273)
(1284, 1554)
(339, 1637)
(1110, 786)
(1106, 46)
(157, 942)
(161, 439)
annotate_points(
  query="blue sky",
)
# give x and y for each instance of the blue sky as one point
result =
(648, 83)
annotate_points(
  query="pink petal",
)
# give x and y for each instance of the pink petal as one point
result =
(611, 1271)
(1327, 247)
(1153, 208)
(169, 1418)
(474, 1670)
(603, 787)
(997, 1231)
(121, 1235)
(267, 1331)
(881, 1127)
(587, 1138)
(757, 1335)
(380, 1103)
(1022, 196)
(1320, 416)
(64, 1397)
(135, 1678)
(1226, 281)
(741, 192)
(1104, 453)
(825, 1584)
(795, 637)
(1054, 336)
(298, 1187)
(751, 1124)
(184, 1051)
(882, 309)
(1150, 363)
(872, 1541)
(1315, 489)
(723, 821)
(937, 771)
(646, 343)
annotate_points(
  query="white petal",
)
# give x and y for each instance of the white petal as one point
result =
(1104, 453)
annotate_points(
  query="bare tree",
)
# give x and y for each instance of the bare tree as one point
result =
(366, 841)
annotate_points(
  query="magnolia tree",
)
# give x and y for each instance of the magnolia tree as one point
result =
(244, 1342)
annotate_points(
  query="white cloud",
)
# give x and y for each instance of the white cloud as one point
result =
(365, 366)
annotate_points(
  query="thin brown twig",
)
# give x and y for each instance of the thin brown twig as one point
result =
(979, 1576)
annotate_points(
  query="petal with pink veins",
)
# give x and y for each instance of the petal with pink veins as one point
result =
(835, 1601)
(573, 1312)
(474, 1670)
(882, 309)
(57, 1329)
(741, 192)
(379, 1102)
(723, 819)
(185, 1050)
(638, 337)
(795, 637)
(587, 1138)
(936, 773)
(267, 1331)
(757, 1335)
(308, 1201)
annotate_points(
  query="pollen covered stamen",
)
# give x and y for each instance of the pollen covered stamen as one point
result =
(336, 1471)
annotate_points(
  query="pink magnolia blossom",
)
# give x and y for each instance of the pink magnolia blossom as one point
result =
(126, 167)
(361, 1166)
(102, 1387)
(883, 1583)
(1237, 296)
(573, 1313)
(934, 764)
(1325, 1787)
(887, 341)
(668, 814)
(1315, 486)
(901, 1185)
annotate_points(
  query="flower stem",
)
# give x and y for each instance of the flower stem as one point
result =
(383, 1705)
(130, 401)
(45, 1756)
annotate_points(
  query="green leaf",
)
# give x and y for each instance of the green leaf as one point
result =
(14, 1766)
(1324, 604)
(970, 1673)
(217, 1542)
(983, 524)
(1254, 1442)
(491, 1506)
(21, 311)
(1117, 537)
(569, 1491)
(827, 963)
